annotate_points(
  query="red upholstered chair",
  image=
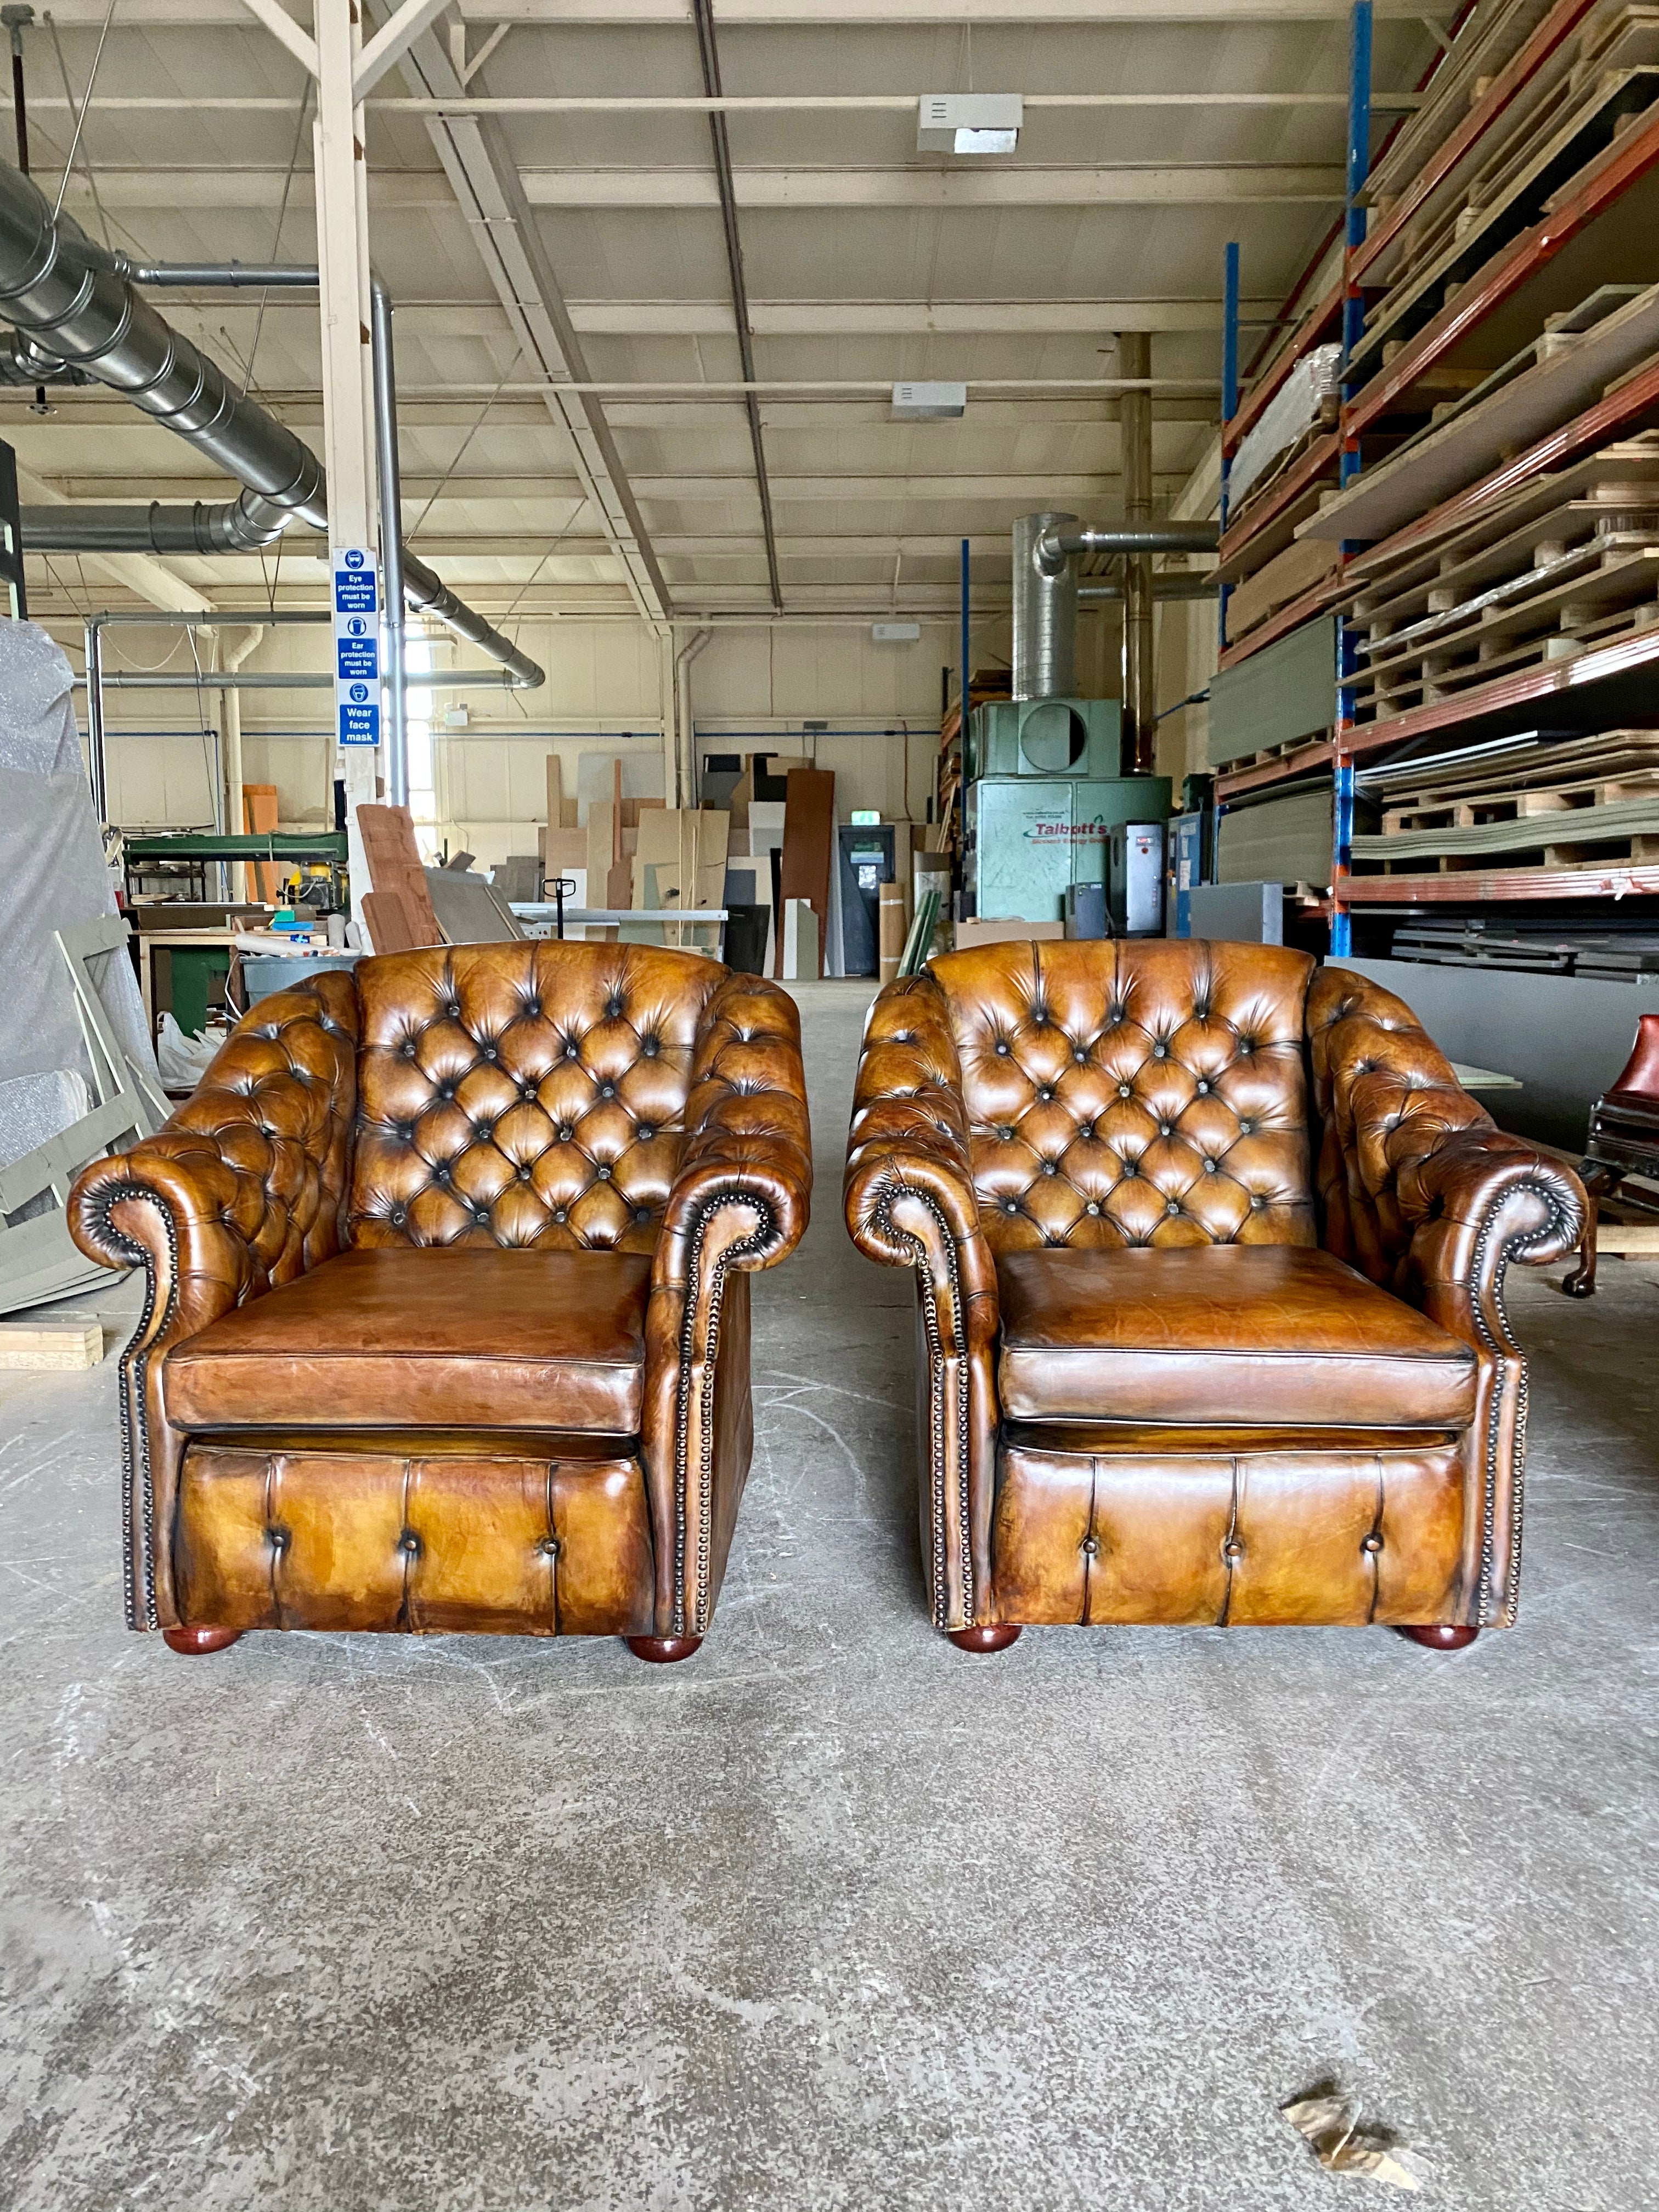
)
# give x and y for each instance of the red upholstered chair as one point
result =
(1623, 1139)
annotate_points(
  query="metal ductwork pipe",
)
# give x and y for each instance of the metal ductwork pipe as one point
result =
(237, 526)
(1045, 612)
(22, 361)
(1055, 548)
(1171, 583)
(76, 302)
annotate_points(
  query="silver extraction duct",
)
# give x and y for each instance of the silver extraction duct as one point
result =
(1045, 613)
(1045, 596)
(237, 526)
(76, 302)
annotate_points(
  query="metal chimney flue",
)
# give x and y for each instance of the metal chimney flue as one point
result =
(1045, 613)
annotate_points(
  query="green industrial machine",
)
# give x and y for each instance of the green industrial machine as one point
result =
(1045, 737)
(1027, 837)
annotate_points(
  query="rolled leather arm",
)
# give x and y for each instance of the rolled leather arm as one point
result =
(240, 1189)
(1476, 1201)
(1423, 1191)
(740, 1200)
(909, 1202)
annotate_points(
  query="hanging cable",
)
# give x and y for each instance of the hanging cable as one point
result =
(80, 119)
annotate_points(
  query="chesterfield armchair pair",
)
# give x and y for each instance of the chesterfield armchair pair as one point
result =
(447, 1312)
(1210, 1251)
(448, 1321)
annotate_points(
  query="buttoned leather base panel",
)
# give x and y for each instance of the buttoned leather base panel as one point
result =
(1281, 1537)
(514, 1545)
(1229, 1334)
(452, 1338)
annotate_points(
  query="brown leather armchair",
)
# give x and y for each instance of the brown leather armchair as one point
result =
(1210, 1253)
(447, 1320)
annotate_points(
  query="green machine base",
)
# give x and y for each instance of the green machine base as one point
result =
(1027, 837)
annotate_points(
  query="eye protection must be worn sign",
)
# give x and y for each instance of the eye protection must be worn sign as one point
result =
(356, 645)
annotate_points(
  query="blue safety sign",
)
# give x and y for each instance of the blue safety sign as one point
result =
(356, 645)
(360, 723)
(356, 592)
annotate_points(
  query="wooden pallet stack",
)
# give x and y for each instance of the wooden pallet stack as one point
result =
(1493, 555)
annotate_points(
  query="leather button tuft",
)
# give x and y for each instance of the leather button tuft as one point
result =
(1247, 1128)
(604, 1173)
(1160, 1050)
(525, 1172)
(1079, 1055)
(572, 1050)
(613, 1007)
(565, 1133)
(1233, 1549)
(607, 1091)
(1166, 1129)
(1172, 1205)
(1049, 1168)
(1203, 1088)
(1124, 1091)
(651, 1047)
(534, 1010)
(408, 1049)
(1010, 1206)
(453, 1009)
(644, 1133)
(1373, 1544)
(399, 1217)
(641, 1215)
(410, 1542)
(490, 1053)
(1211, 1167)
(549, 1547)
(1092, 1545)
(559, 1213)
(278, 1539)
(1006, 1132)
(1002, 1051)
(1091, 1207)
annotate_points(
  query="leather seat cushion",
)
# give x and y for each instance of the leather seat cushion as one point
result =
(406, 1337)
(1233, 1334)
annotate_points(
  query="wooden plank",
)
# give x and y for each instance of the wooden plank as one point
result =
(1300, 759)
(1480, 117)
(1305, 566)
(809, 839)
(395, 869)
(68, 1346)
(1319, 320)
(1628, 1240)
(1498, 284)
(1473, 887)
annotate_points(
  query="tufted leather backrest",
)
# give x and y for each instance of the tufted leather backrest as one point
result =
(1386, 1098)
(1135, 1092)
(525, 1093)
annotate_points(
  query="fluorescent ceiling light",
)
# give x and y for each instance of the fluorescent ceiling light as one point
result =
(968, 122)
(929, 402)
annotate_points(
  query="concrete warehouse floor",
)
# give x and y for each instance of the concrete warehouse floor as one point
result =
(834, 1916)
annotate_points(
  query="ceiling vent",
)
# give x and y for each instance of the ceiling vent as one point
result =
(929, 402)
(969, 122)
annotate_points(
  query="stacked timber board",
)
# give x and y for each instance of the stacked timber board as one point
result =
(1558, 806)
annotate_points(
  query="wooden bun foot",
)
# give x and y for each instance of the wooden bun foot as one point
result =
(983, 1639)
(1442, 1637)
(194, 1641)
(663, 1650)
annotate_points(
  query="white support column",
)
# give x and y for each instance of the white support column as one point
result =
(348, 385)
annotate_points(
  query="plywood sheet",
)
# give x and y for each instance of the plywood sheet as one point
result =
(809, 836)
(394, 868)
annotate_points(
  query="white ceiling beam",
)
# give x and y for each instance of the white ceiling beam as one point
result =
(484, 182)
(276, 20)
(392, 41)
(1196, 184)
(784, 319)
(737, 15)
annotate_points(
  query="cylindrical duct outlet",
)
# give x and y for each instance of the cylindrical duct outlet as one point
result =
(1045, 616)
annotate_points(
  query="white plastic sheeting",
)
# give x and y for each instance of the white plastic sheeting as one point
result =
(52, 873)
(1293, 409)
